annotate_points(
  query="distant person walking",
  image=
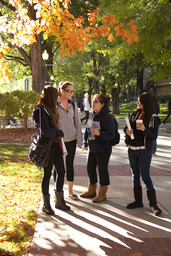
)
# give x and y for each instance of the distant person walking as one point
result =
(86, 108)
(82, 104)
(169, 111)
(145, 124)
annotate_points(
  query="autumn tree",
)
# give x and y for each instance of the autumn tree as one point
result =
(153, 49)
(28, 25)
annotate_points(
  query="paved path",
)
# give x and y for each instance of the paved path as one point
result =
(109, 228)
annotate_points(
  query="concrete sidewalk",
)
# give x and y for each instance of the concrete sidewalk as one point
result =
(109, 228)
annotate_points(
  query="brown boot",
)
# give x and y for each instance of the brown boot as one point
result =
(91, 191)
(101, 195)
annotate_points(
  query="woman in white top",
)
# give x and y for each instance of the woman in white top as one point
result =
(71, 126)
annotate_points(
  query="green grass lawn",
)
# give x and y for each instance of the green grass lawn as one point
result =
(125, 108)
(20, 195)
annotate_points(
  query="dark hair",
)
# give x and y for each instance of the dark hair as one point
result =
(104, 99)
(48, 99)
(146, 100)
(156, 104)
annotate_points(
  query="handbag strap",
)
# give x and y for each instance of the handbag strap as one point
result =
(40, 121)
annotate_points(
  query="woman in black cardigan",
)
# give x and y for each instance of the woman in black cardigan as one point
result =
(145, 124)
(46, 118)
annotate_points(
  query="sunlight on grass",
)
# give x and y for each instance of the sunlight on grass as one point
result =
(19, 199)
(126, 108)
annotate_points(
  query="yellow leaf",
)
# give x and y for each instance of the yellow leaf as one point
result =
(110, 37)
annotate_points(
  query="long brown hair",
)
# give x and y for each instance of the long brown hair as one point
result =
(146, 100)
(48, 99)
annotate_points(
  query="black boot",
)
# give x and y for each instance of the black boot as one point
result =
(151, 195)
(46, 205)
(138, 198)
(60, 202)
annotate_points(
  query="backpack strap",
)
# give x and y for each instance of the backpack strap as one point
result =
(73, 104)
(102, 120)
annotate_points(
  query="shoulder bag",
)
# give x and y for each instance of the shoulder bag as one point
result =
(39, 153)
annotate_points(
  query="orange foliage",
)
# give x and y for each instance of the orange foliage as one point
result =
(109, 20)
(110, 37)
(5, 73)
(54, 19)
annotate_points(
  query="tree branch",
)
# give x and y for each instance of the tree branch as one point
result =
(22, 52)
(9, 6)
(20, 60)
(25, 55)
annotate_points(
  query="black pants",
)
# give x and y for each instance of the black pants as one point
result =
(55, 159)
(86, 116)
(168, 115)
(71, 148)
(100, 159)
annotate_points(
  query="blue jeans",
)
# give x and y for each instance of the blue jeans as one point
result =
(140, 161)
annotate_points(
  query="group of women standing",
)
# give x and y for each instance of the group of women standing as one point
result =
(56, 115)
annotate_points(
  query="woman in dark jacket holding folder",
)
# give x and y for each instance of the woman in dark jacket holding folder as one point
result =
(99, 138)
(145, 124)
(46, 118)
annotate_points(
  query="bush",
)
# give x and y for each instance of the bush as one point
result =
(18, 104)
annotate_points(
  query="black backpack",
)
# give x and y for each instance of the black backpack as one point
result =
(116, 138)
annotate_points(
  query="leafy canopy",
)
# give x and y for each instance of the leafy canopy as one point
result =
(52, 17)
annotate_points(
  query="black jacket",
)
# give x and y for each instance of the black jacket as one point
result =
(146, 137)
(46, 130)
(107, 132)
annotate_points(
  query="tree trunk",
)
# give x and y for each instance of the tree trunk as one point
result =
(139, 82)
(90, 83)
(38, 76)
(103, 89)
(115, 96)
(95, 73)
(115, 100)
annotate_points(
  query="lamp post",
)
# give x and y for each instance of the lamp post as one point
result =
(45, 57)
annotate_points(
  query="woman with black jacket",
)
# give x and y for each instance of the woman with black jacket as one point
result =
(145, 124)
(46, 118)
(99, 141)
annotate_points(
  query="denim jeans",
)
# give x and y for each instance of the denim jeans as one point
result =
(140, 161)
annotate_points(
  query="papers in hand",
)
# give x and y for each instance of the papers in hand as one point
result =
(129, 127)
(62, 146)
